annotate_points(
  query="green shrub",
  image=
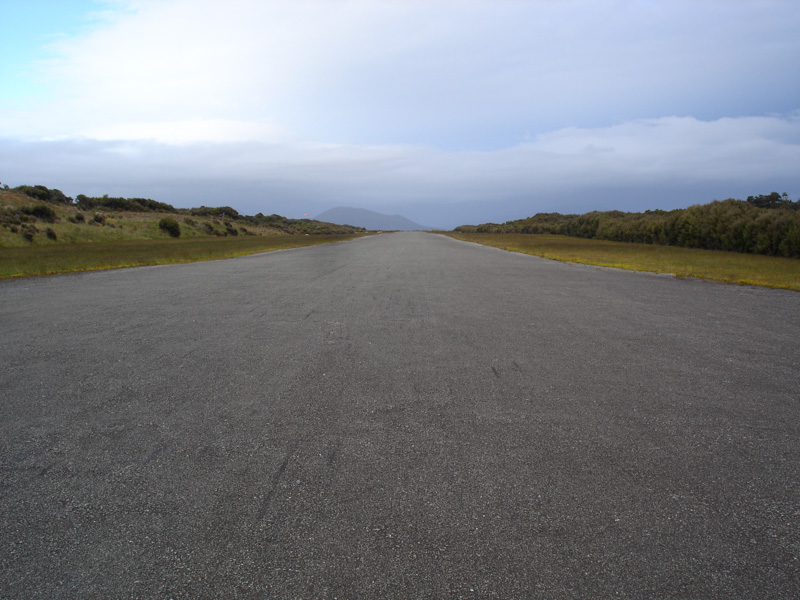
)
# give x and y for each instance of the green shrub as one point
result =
(51, 233)
(762, 225)
(41, 192)
(98, 218)
(28, 231)
(41, 212)
(123, 204)
(171, 226)
(10, 217)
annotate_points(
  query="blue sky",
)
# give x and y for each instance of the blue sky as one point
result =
(445, 111)
(28, 30)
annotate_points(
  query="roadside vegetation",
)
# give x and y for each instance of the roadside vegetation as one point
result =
(714, 265)
(69, 258)
(766, 224)
(43, 231)
(754, 241)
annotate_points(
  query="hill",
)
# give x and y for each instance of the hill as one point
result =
(361, 217)
(36, 215)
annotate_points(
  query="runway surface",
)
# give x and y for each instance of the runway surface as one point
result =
(399, 416)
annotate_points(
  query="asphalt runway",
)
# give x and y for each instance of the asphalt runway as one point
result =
(399, 416)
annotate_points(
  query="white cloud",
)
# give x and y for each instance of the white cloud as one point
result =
(514, 106)
(668, 147)
(469, 74)
(565, 170)
(189, 131)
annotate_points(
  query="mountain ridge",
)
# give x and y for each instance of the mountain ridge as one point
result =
(369, 219)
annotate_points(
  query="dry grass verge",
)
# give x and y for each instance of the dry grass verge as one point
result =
(68, 258)
(727, 267)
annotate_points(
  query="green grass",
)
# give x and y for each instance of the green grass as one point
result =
(68, 239)
(727, 267)
(68, 258)
(118, 227)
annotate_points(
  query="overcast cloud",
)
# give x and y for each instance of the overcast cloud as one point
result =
(447, 111)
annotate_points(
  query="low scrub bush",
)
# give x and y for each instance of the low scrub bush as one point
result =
(762, 225)
(41, 192)
(171, 226)
(29, 230)
(41, 212)
(10, 217)
(123, 204)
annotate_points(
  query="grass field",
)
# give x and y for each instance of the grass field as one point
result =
(62, 238)
(727, 267)
(67, 258)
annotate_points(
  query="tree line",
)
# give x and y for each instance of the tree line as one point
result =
(764, 224)
(122, 204)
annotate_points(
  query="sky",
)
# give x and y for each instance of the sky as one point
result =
(445, 111)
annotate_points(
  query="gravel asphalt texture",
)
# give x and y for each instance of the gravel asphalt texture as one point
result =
(398, 416)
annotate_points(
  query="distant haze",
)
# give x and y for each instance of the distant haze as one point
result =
(360, 217)
(446, 112)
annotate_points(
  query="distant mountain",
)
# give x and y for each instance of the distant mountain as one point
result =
(361, 217)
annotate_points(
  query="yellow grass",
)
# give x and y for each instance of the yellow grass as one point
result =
(67, 258)
(727, 267)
